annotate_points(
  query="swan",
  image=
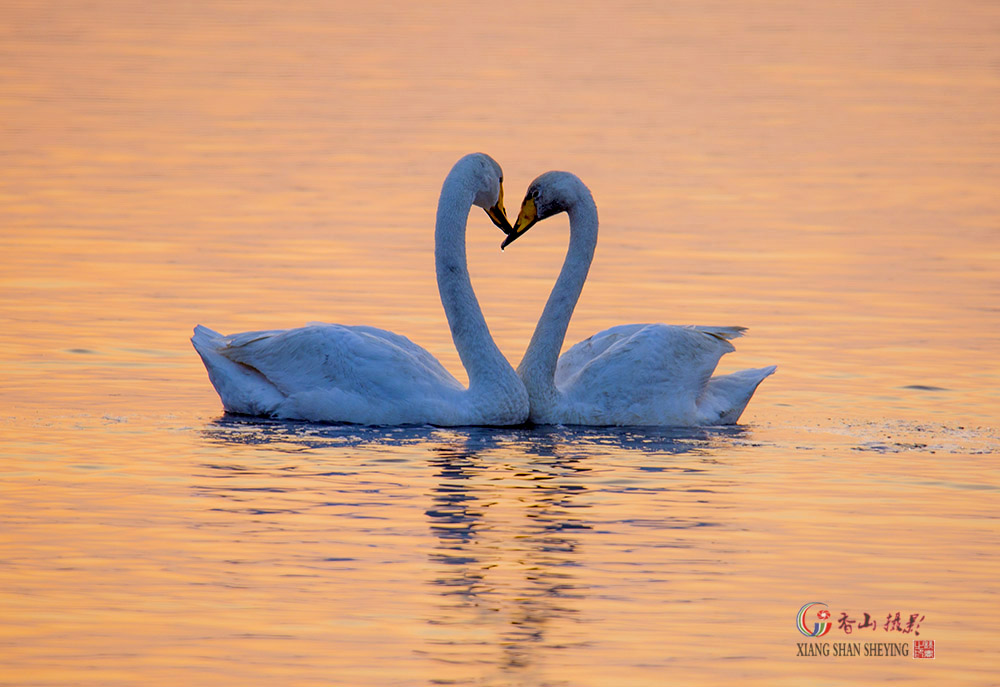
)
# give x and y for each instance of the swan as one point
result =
(632, 374)
(364, 375)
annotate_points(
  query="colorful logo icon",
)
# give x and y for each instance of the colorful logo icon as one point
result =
(819, 628)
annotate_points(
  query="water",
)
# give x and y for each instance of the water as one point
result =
(824, 176)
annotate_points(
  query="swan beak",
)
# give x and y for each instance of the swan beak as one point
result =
(525, 220)
(499, 215)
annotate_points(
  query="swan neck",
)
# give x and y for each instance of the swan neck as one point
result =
(483, 361)
(538, 367)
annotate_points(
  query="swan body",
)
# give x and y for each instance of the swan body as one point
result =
(365, 375)
(633, 374)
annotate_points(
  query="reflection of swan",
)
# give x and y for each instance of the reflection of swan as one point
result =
(338, 373)
(509, 530)
(634, 374)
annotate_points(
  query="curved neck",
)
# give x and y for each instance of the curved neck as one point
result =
(538, 367)
(482, 359)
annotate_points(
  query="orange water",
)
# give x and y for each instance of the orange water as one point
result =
(825, 176)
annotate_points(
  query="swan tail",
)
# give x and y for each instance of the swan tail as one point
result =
(726, 396)
(241, 387)
(205, 338)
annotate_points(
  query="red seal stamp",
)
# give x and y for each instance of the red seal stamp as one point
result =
(923, 648)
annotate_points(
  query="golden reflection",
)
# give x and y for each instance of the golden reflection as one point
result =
(511, 514)
(506, 550)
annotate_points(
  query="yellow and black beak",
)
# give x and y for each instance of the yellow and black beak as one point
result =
(499, 215)
(525, 220)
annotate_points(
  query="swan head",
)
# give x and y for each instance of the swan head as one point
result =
(485, 177)
(549, 194)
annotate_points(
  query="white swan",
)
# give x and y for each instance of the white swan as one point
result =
(364, 375)
(633, 374)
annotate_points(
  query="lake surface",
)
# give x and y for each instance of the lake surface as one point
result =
(826, 176)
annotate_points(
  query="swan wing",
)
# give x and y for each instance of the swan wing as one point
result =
(629, 342)
(325, 372)
(580, 354)
(644, 373)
